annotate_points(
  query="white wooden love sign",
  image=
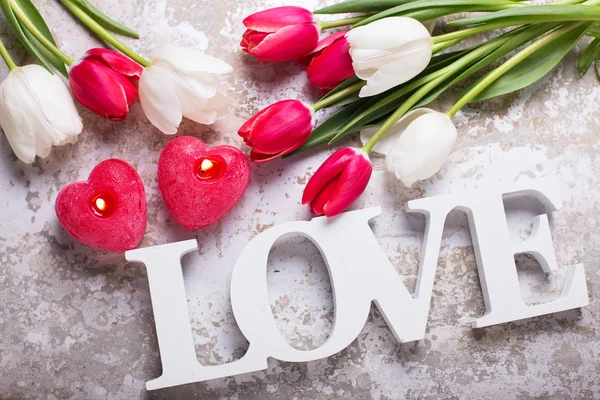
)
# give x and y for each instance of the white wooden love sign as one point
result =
(360, 274)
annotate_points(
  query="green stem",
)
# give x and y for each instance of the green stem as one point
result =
(467, 33)
(340, 22)
(439, 47)
(6, 57)
(401, 111)
(103, 33)
(508, 65)
(326, 102)
(22, 17)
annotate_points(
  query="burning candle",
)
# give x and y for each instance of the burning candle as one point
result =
(201, 184)
(108, 211)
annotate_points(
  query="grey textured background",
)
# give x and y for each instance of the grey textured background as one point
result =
(77, 323)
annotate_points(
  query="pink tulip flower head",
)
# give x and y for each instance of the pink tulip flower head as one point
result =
(277, 130)
(280, 34)
(105, 82)
(338, 182)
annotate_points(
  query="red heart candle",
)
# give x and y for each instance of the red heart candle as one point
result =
(201, 184)
(109, 211)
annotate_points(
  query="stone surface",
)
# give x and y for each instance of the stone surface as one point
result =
(77, 323)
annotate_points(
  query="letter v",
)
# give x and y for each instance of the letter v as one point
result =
(375, 278)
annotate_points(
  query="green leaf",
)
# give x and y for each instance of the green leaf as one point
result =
(58, 65)
(347, 99)
(36, 18)
(14, 24)
(428, 4)
(437, 12)
(347, 83)
(535, 14)
(594, 30)
(591, 53)
(354, 6)
(535, 66)
(328, 129)
(514, 40)
(104, 19)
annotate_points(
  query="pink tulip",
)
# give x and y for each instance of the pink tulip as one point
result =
(338, 182)
(280, 34)
(330, 63)
(277, 130)
(105, 82)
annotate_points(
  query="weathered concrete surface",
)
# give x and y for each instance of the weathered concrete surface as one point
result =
(77, 323)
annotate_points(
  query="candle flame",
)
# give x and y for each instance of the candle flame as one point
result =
(100, 204)
(206, 165)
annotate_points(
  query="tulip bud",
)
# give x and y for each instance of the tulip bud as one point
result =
(417, 146)
(104, 81)
(280, 34)
(183, 82)
(277, 130)
(341, 180)
(37, 112)
(330, 62)
(389, 52)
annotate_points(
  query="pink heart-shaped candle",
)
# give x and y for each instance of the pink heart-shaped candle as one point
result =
(201, 184)
(108, 211)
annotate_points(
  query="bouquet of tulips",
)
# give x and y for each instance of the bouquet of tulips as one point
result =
(386, 67)
(38, 112)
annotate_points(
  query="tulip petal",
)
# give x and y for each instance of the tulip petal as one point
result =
(14, 122)
(387, 33)
(281, 126)
(262, 158)
(351, 184)
(273, 19)
(254, 38)
(317, 206)
(129, 88)
(329, 170)
(332, 66)
(397, 73)
(186, 60)
(116, 61)
(386, 143)
(219, 104)
(287, 44)
(54, 102)
(97, 88)
(215, 108)
(159, 100)
(422, 149)
(194, 96)
(328, 41)
(245, 130)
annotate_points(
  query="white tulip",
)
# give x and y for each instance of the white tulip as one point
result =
(417, 146)
(389, 52)
(37, 112)
(182, 82)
